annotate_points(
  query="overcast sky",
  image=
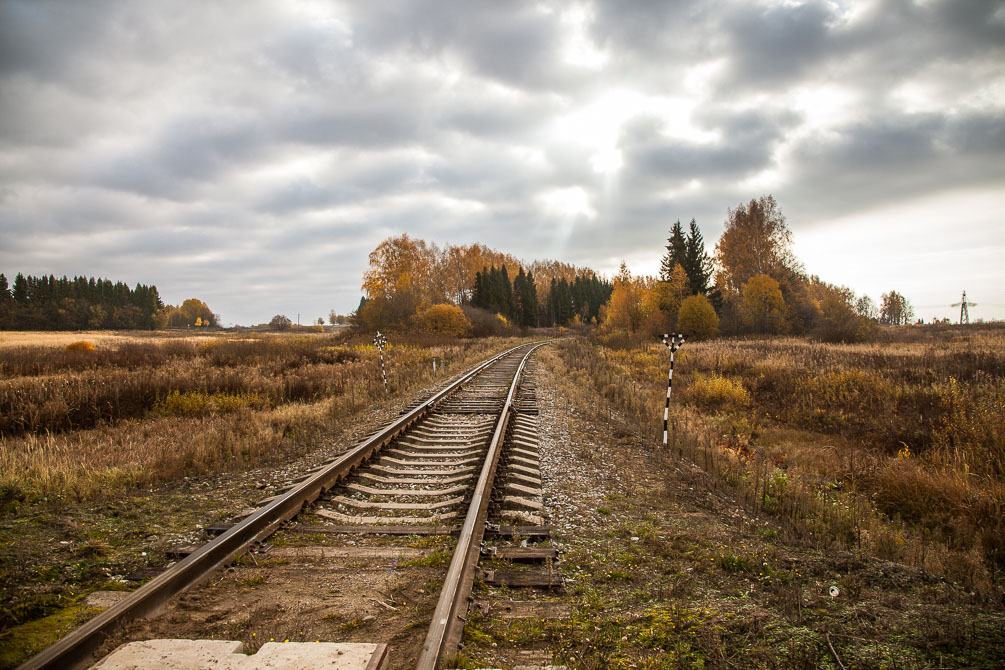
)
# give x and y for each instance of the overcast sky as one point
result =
(251, 154)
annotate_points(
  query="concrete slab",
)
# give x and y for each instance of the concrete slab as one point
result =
(525, 490)
(519, 502)
(320, 553)
(522, 517)
(373, 520)
(229, 655)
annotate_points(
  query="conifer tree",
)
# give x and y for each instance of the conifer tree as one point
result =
(676, 251)
(20, 291)
(508, 304)
(552, 309)
(477, 291)
(696, 261)
(565, 307)
(529, 316)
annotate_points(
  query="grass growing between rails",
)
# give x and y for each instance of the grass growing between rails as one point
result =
(893, 450)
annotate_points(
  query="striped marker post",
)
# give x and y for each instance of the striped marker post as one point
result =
(673, 344)
(380, 341)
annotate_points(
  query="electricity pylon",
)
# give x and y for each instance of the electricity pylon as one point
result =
(964, 312)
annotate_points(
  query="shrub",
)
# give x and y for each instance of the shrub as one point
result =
(839, 322)
(716, 391)
(280, 322)
(194, 403)
(972, 437)
(445, 320)
(697, 317)
(82, 345)
(483, 323)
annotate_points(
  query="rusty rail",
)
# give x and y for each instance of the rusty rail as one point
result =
(76, 649)
(444, 632)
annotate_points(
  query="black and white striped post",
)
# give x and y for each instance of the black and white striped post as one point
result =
(673, 344)
(380, 341)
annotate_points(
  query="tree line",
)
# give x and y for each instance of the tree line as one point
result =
(408, 276)
(565, 302)
(752, 284)
(90, 303)
(50, 303)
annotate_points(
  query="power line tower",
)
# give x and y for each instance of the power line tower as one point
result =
(964, 312)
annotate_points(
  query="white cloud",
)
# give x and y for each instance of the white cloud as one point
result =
(567, 203)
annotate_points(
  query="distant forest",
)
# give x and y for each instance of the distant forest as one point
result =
(48, 303)
(409, 276)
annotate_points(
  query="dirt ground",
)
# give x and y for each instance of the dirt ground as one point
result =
(303, 600)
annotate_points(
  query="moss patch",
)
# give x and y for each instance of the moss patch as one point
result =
(24, 641)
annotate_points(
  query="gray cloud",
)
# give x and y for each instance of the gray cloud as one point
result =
(209, 151)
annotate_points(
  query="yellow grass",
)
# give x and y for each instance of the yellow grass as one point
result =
(28, 338)
(81, 423)
(895, 448)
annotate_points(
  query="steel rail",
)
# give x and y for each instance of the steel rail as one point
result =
(76, 649)
(448, 618)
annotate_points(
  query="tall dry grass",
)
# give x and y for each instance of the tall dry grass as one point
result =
(895, 448)
(77, 426)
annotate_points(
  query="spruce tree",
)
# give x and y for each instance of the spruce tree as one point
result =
(20, 291)
(696, 263)
(530, 308)
(477, 291)
(565, 311)
(507, 305)
(552, 310)
(519, 293)
(676, 251)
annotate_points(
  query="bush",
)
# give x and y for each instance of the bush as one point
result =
(839, 322)
(484, 323)
(445, 320)
(195, 403)
(82, 345)
(697, 317)
(280, 322)
(716, 391)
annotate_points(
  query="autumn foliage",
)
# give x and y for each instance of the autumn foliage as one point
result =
(408, 276)
(444, 320)
(697, 317)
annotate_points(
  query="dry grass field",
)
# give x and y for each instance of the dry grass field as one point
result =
(888, 455)
(14, 339)
(111, 449)
(128, 411)
(892, 449)
(672, 565)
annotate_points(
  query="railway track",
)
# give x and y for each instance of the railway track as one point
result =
(434, 472)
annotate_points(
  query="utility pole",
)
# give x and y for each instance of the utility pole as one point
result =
(963, 305)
